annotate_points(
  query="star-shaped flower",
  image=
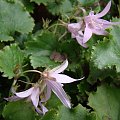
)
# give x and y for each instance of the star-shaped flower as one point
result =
(91, 24)
(54, 80)
(76, 30)
(51, 80)
(94, 23)
(32, 94)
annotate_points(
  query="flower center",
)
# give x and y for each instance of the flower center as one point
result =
(93, 23)
(47, 76)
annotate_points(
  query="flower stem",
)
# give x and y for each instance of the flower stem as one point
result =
(33, 71)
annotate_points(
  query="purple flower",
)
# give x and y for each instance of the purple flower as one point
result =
(54, 79)
(76, 30)
(93, 24)
(51, 80)
(33, 94)
(96, 25)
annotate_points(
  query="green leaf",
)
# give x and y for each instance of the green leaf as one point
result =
(62, 7)
(100, 74)
(53, 102)
(51, 115)
(87, 2)
(40, 1)
(56, 7)
(41, 48)
(13, 17)
(42, 61)
(78, 113)
(73, 52)
(11, 59)
(106, 103)
(107, 52)
(63, 113)
(18, 111)
(29, 6)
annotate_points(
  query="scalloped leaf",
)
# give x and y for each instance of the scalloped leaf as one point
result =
(78, 113)
(106, 103)
(87, 2)
(41, 48)
(51, 115)
(73, 52)
(29, 6)
(63, 7)
(63, 113)
(56, 7)
(18, 111)
(40, 1)
(107, 52)
(11, 59)
(13, 17)
(42, 61)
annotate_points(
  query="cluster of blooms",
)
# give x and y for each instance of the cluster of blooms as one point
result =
(40, 92)
(90, 24)
(52, 80)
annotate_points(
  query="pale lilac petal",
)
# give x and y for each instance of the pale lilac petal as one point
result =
(44, 109)
(72, 27)
(60, 68)
(80, 41)
(105, 11)
(99, 32)
(75, 27)
(13, 98)
(61, 78)
(73, 35)
(35, 96)
(80, 33)
(38, 111)
(25, 93)
(115, 23)
(60, 93)
(47, 94)
(87, 34)
(105, 24)
(91, 13)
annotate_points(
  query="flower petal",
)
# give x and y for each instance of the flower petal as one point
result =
(38, 110)
(73, 27)
(35, 96)
(60, 68)
(80, 41)
(47, 94)
(99, 32)
(73, 35)
(61, 78)
(105, 11)
(25, 93)
(59, 91)
(13, 98)
(105, 24)
(87, 34)
(44, 109)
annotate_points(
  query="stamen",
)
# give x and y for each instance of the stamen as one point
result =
(93, 24)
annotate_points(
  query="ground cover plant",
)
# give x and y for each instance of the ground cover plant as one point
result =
(59, 60)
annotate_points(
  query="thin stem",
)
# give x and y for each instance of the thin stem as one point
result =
(33, 71)
(55, 29)
(57, 25)
(26, 82)
(63, 23)
(62, 35)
